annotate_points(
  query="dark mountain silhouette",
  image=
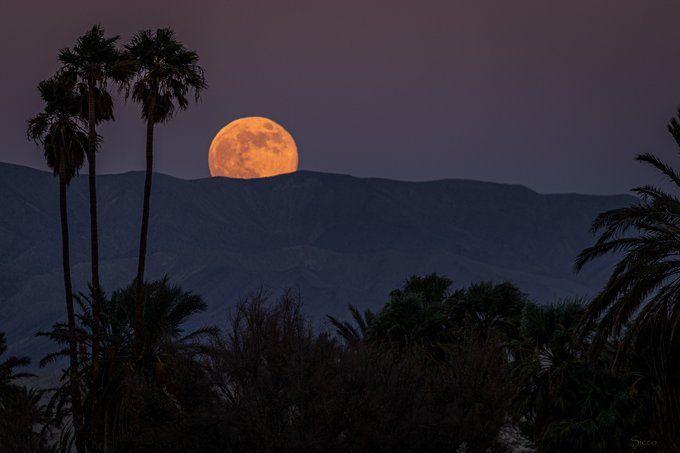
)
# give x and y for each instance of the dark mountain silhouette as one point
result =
(338, 239)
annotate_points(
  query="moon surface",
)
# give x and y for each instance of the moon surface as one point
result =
(252, 147)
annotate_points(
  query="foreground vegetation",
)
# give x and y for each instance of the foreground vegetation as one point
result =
(433, 370)
(481, 368)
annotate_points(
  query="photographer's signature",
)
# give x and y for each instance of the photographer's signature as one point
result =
(637, 442)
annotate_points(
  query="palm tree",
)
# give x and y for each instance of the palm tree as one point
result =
(416, 317)
(644, 283)
(59, 130)
(167, 73)
(7, 370)
(20, 407)
(642, 293)
(489, 309)
(94, 60)
(168, 309)
(20, 416)
(543, 355)
(572, 400)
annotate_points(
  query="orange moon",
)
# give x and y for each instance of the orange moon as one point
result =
(252, 147)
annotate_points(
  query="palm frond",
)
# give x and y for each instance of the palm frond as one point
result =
(657, 163)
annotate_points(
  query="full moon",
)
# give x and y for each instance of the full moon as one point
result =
(252, 147)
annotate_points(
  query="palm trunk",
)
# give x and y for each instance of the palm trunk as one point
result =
(95, 434)
(94, 240)
(139, 307)
(76, 402)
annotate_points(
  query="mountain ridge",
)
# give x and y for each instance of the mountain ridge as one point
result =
(338, 238)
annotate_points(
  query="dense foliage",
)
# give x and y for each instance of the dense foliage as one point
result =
(639, 303)
(453, 373)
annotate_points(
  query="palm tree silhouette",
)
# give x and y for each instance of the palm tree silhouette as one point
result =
(94, 60)
(59, 130)
(167, 73)
(21, 408)
(640, 299)
(416, 316)
(7, 370)
(353, 334)
(167, 311)
(542, 358)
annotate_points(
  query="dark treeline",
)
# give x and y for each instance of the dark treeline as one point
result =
(478, 369)
(481, 368)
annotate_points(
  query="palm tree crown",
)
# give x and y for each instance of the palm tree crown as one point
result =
(644, 283)
(94, 60)
(168, 72)
(58, 129)
(93, 56)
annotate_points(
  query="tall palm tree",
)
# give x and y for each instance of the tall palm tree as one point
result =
(643, 291)
(167, 73)
(94, 61)
(59, 130)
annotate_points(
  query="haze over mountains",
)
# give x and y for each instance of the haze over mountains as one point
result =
(337, 239)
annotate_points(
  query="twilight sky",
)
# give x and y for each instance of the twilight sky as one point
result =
(558, 96)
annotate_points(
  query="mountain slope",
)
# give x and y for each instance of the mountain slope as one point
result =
(338, 239)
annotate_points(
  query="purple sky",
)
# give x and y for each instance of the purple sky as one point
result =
(556, 95)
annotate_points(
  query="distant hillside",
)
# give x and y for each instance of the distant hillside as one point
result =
(338, 239)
